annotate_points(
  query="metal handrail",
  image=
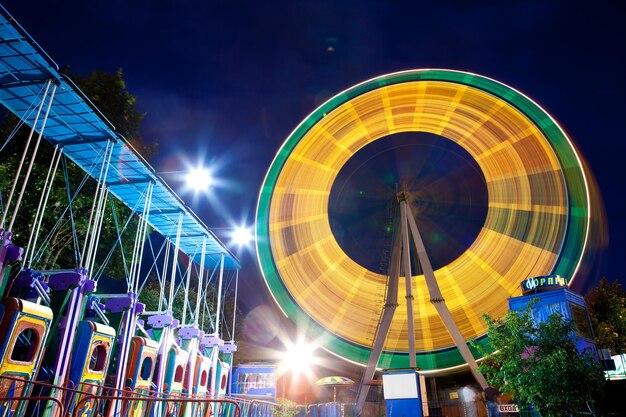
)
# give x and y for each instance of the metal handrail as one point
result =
(26, 399)
(123, 399)
(41, 384)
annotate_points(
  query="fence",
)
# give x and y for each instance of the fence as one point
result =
(32, 406)
(135, 406)
(255, 408)
(92, 400)
(431, 409)
(93, 405)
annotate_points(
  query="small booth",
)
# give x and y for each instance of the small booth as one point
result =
(551, 294)
(401, 388)
(254, 380)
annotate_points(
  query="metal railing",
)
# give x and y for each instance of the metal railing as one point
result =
(40, 398)
(34, 406)
(164, 407)
(448, 408)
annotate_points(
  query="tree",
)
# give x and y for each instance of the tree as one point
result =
(286, 408)
(607, 310)
(538, 363)
(108, 92)
(57, 234)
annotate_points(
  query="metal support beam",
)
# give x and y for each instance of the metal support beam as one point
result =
(130, 181)
(391, 303)
(216, 329)
(401, 259)
(82, 140)
(10, 81)
(406, 263)
(436, 298)
(21, 165)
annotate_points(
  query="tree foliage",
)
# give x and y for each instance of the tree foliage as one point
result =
(108, 92)
(607, 310)
(538, 363)
(286, 408)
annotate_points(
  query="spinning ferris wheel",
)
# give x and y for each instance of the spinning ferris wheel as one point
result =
(493, 184)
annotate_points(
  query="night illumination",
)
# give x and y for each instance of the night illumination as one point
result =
(299, 357)
(199, 179)
(242, 236)
(537, 220)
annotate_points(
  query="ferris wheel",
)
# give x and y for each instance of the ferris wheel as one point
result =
(494, 185)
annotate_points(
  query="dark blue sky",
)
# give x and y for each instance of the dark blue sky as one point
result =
(229, 80)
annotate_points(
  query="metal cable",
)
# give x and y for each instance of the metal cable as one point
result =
(32, 160)
(21, 164)
(41, 207)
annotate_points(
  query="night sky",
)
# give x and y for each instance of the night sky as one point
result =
(226, 81)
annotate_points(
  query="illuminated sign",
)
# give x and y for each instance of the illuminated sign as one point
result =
(508, 408)
(542, 283)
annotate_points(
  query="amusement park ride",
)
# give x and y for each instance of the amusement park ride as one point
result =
(536, 218)
(62, 339)
(71, 349)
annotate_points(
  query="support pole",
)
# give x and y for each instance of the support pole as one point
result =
(232, 338)
(166, 338)
(21, 165)
(436, 298)
(186, 303)
(83, 253)
(193, 347)
(216, 328)
(199, 297)
(144, 234)
(32, 160)
(72, 315)
(391, 303)
(401, 258)
(406, 263)
(162, 277)
(41, 207)
(128, 325)
(101, 198)
(170, 299)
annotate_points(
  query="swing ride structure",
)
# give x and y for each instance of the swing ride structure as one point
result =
(405, 208)
(67, 348)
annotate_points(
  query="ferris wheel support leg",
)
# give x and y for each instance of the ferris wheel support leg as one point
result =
(439, 303)
(406, 264)
(391, 303)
